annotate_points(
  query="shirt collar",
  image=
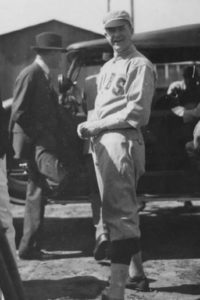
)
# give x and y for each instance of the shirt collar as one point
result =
(43, 65)
(125, 54)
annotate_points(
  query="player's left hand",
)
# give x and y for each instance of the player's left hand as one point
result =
(88, 129)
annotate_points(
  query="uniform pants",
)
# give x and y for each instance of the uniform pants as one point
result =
(119, 159)
(46, 172)
(95, 199)
(5, 209)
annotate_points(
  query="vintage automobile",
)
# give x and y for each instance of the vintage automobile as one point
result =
(167, 167)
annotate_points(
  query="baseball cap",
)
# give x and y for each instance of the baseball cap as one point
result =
(116, 18)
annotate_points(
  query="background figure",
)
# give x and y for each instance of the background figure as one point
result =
(186, 91)
(187, 107)
(39, 135)
(5, 209)
(6, 219)
(125, 90)
(188, 96)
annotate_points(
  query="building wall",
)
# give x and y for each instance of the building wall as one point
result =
(16, 53)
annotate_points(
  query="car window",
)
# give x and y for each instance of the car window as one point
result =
(86, 71)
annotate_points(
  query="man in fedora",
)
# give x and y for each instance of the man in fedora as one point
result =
(36, 127)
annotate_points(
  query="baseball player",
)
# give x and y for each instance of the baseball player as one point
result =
(122, 106)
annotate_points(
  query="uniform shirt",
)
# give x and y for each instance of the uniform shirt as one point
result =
(125, 89)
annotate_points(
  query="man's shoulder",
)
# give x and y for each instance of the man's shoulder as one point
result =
(29, 70)
(138, 59)
(108, 63)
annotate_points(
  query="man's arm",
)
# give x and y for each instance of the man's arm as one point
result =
(140, 90)
(22, 99)
(191, 114)
(175, 86)
(196, 136)
(188, 115)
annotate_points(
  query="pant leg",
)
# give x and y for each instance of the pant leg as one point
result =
(100, 225)
(33, 217)
(119, 159)
(50, 167)
(5, 209)
(45, 169)
(95, 200)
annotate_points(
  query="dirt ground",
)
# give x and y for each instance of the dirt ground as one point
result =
(170, 244)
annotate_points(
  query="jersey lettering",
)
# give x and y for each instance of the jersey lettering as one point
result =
(110, 80)
(118, 89)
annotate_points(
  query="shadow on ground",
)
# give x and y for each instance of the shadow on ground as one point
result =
(80, 287)
(167, 233)
(67, 235)
(186, 289)
(170, 233)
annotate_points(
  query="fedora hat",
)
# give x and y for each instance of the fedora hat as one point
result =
(48, 41)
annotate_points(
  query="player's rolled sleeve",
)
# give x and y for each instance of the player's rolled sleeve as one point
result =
(139, 93)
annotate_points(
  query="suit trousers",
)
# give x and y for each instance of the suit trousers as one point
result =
(46, 173)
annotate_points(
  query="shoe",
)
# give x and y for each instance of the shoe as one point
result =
(104, 296)
(138, 283)
(101, 247)
(34, 254)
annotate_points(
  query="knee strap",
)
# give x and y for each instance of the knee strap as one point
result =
(122, 250)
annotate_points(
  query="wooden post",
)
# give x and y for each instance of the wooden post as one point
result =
(108, 5)
(132, 13)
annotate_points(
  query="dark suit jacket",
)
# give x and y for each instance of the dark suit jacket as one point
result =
(38, 120)
(34, 111)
